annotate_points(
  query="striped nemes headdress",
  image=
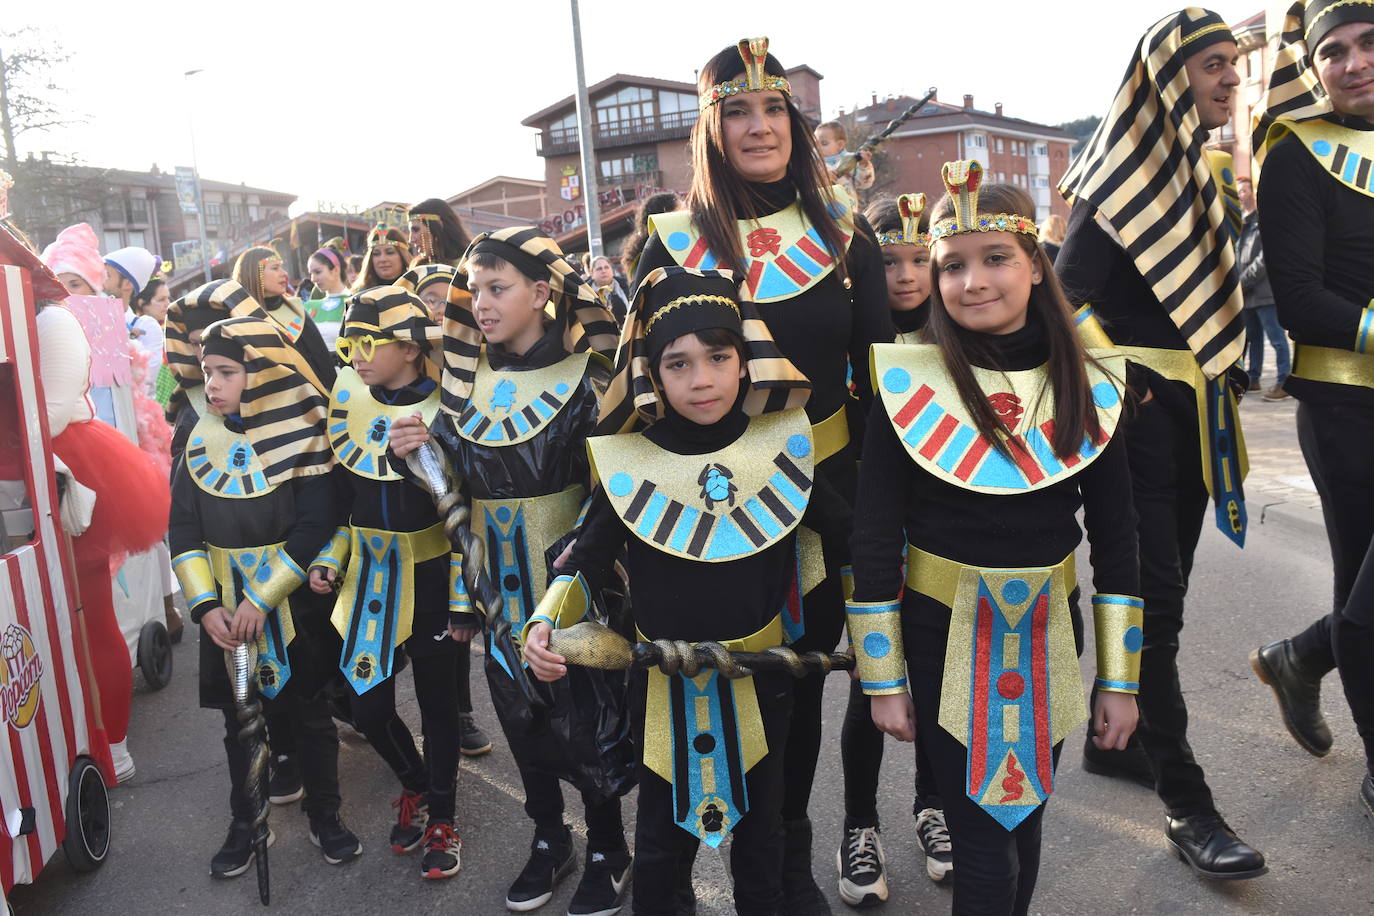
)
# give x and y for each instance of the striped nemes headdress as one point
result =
(395, 313)
(573, 305)
(670, 302)
(1147, 174)
(910, 208)
(283, 410)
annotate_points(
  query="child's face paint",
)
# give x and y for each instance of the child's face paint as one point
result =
(908, 276)
(700, 382)
(508, 306)
(985, 281)
(224, 381)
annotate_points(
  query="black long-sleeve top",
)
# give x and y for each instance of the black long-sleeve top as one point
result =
(1318, 238)
(310, 344)
(825, 328)
(899, 503)
(676, 598)
(549, 462)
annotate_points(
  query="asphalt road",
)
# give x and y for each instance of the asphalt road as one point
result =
(1104, 845)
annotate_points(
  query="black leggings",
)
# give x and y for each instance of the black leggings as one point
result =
(374, 714)
(1353, 632)
(311, 725)
(861, 750)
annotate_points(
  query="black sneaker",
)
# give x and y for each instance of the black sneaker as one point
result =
(860, 862)
(551, 860)
(336, 841)
(412, 817)
(472, 741)
(442, 851)
(605, 878)
(284, 780)
(236, 855)
(934, 838)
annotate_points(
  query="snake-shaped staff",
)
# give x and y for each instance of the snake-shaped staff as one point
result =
(592, 645)
(850, 160)
(242, 665)
(425, 463)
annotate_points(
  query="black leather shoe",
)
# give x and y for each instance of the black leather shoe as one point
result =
(1129, 764)
(1367, 794)
(1212, 849)
(1299, 696)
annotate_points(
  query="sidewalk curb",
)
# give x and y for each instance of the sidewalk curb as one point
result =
(1287, 516)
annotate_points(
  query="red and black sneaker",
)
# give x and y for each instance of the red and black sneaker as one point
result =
(442, 851)
(412, 816)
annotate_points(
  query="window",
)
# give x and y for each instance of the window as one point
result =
(676, 101)
(1001, 177)
(113, 239)
(235, 213)
(112, 209)
(253, 213)
(977, 141)
(999, 144)
(138, 210)
(136, 238)
(564, 130)
(213, 213)
(1041, 149)
(632, 103)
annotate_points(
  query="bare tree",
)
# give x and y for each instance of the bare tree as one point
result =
(27, 91)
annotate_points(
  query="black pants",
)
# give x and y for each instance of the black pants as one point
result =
(1353, 632)
(1336, 441)
(1171, 504)
(861, 752)
(374, 714)
(664, 852)
(317, 745)
(462, 663)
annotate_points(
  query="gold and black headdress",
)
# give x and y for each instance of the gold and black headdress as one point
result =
(1147, 174)
(671, 302)
(438, 278)
(384, 314)
(283, 409)
(754, 53)
(573, 305)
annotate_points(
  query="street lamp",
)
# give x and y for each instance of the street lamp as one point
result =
(195, 167)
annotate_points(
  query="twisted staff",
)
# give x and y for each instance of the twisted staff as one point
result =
(592, 645)
(456, 513)
(850, 160)
(242, 664)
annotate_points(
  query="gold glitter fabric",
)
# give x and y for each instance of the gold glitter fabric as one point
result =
(233, 569)
(910, 207)
(875, 632)
(1090, 330)
(714, 507)
(509, 527)
(1118, 622)
(924, 407)
(360, 425)
(566, 602)
(784, 255)
(222, 462)
(962, 179)
(197, 580)
(335, 554)
(507, 408)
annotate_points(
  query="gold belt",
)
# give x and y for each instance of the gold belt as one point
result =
(1337, 367)
(939, 578)
(830, 435)
(766, 637)
(417, 545)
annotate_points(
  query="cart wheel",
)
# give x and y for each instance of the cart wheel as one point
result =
(88, 817)
(155, 654)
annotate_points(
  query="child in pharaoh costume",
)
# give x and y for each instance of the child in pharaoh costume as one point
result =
(401, 586)
(902, 227)
(524, 368)
(253, 503)
(707, 501)
(980, 450)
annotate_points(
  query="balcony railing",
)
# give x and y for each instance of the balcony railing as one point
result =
(560, 141)
(631, 179)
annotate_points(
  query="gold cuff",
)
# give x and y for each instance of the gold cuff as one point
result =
(458, 600)
(875, 632)
(197, 580)
(566, 601)
(276, 577)
(847, 582)
(1117, 622)
(335, 553)
(1363, 331)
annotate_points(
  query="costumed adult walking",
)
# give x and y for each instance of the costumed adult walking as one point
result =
(760, 205)
(1316, 201)
(1150, 250)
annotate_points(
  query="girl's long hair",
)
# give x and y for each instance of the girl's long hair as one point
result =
(719, 196)
(246, 270)
(451, 238)
(367, 276)
(1075, 414)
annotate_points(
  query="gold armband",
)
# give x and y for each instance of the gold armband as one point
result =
(566, 601)
(335, 553)
(458, 600)
(273, 581)
(1117, 622)
(1363, 332)
(875, 632)
(197, 580)
(1090, 330)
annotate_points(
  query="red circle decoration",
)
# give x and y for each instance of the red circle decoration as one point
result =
(1010, 685)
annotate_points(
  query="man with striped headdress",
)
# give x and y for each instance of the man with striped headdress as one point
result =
(1316, 197)
(1150, 252)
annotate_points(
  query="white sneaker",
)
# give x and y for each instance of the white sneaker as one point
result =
(123, 763)
(860, 862)
(934, 837)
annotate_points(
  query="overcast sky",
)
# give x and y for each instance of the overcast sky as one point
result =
(357, 103)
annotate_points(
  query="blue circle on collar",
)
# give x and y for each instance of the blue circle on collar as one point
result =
(798, 446)
(678, 240)
(344, 395)
(1105, 395)
(896, 380)
(1321, 148)
(620, 484)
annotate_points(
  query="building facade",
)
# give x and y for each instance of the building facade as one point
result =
(507, 196)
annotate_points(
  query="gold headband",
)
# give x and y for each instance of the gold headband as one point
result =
(961, 179)
(909, 207)
(754, 53)
(690, 300)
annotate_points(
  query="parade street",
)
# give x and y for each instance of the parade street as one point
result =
(1105, 850)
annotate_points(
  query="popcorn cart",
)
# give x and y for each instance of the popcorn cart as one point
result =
(54, 755)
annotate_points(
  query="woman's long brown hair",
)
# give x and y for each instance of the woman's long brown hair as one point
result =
(246, 271)
(719, 197)
(1075, 414)
(367, 277)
